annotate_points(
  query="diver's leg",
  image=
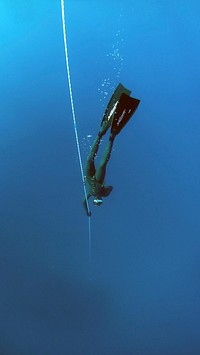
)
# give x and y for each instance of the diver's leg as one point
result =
(101, 170)
(90, 168)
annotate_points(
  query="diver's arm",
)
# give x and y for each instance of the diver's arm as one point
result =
(85, 205)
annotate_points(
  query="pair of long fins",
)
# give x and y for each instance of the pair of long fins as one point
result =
(120, 109)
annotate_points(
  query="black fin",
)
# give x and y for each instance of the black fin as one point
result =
(125, 109)
(108, 115)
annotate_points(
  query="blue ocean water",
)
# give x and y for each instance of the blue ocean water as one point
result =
(140, 295)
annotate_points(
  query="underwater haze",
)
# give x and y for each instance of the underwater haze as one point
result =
(140, 292)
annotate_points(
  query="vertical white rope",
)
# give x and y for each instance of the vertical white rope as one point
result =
(74, 118)
(89, 239)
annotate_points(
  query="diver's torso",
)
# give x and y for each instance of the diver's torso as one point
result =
(95, 188)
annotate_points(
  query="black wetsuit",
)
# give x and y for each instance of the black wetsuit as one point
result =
(95, 177)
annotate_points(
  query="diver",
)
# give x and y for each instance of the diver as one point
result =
(118, 112)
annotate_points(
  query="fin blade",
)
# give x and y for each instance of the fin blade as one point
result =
(120, 89)
(125, 109)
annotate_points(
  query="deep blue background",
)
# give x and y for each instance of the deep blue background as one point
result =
(141, 293)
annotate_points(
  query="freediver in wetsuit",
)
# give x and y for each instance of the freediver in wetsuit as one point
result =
(118, 112)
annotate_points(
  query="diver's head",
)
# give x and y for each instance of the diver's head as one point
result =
(97, 201)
